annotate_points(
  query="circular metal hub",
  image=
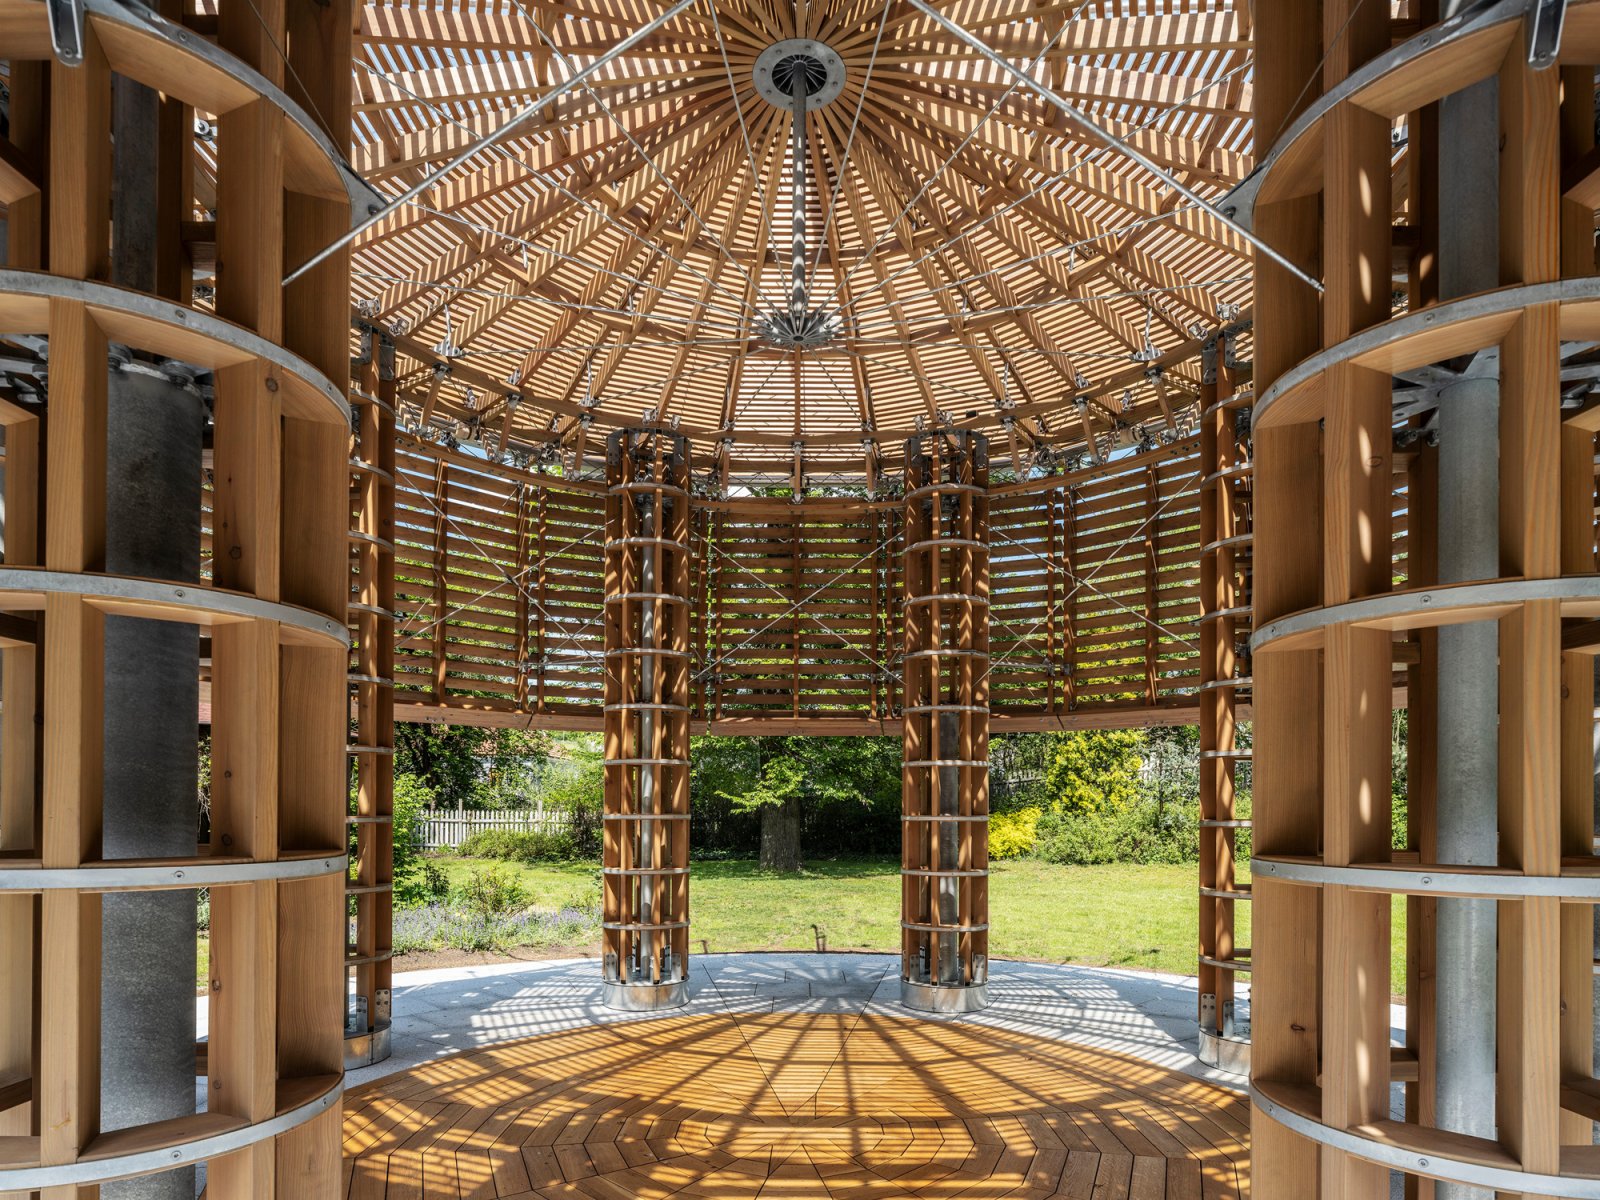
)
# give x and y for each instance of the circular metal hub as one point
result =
(780, 63)
(814, 329)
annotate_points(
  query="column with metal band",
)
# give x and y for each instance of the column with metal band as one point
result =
(645, 864)
(274, 858)
(1224, 685)
(944, 941)
(1502, 1085)
(370, 891)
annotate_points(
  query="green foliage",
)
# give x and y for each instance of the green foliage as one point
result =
(519, 845)
(1012, 834)
(817, 772)
(1399, 777)
(781, 780)
(577, 789)
(491, 892)
(1120, 796)
(1137, 831)
(847, 791)
(1095, 771)
(1170, 772)
(435, 883)
(411, 797)
(467, 767)
(1018, 764)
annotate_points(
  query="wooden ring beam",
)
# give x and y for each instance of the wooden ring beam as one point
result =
(1429, 608)
(23, 589)
(1416, 1149)
(150, 323)
(164, 55)
(1427, 336)
(131, 875)
(1442, 880)
(144, 1151)
(1423, 69)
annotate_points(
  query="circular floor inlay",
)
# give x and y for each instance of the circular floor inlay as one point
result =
(793, 1105)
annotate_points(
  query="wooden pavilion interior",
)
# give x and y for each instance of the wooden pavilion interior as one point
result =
(940, 368)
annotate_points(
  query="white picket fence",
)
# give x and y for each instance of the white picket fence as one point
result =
(445, 829)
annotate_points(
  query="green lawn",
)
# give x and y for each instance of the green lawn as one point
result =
(1121, 916)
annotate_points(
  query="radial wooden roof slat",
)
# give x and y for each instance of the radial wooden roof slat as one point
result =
(627, 251)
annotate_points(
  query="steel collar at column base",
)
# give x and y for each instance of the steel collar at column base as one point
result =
(938, 998)
(1229, 1054)
(645, 997)
(366, 1048)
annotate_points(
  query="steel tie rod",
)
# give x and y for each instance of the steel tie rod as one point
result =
(1083, 122)
(492, 137)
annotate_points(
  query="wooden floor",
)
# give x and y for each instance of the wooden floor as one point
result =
(793, 1106)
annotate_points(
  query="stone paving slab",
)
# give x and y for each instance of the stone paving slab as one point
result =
(447, 1011)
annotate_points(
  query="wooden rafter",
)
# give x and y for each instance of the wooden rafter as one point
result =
(976, 246)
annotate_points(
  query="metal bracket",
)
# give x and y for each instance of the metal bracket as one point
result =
(66, 30)
(1545, 21)
(1238, 204)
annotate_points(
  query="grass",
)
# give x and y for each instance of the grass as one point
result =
(1121, 916)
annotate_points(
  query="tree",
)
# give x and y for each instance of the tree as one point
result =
(467, 767)
(411, 798)
(777, 795)
(1095, 771)
(1171, 765)
(800, 775)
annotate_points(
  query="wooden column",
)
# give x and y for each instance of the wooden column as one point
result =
(371, 682)
(1285, 1017)
(1529, 1079)
(1331, 620)
(944, 808)
(646, 837)
(246, 552)
(275, 859)
(1224, 683)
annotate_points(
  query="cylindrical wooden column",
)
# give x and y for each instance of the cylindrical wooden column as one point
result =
(370, 890)
(268, 600)
(1225, 537)
(944, 813)
(646, 839)
(1499, 871)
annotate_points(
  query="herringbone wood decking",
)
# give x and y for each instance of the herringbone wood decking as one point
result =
(794, 1105)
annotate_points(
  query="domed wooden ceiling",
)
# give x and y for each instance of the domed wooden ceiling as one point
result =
(970, 257)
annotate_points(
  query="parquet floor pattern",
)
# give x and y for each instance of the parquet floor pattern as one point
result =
(793, 1106)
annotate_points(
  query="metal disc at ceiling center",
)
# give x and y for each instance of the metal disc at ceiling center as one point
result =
(777, 65)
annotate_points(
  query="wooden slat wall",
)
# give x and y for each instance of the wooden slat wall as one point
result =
(766, 656)
(498, 590)
(1096, 590)
(1096, 599)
